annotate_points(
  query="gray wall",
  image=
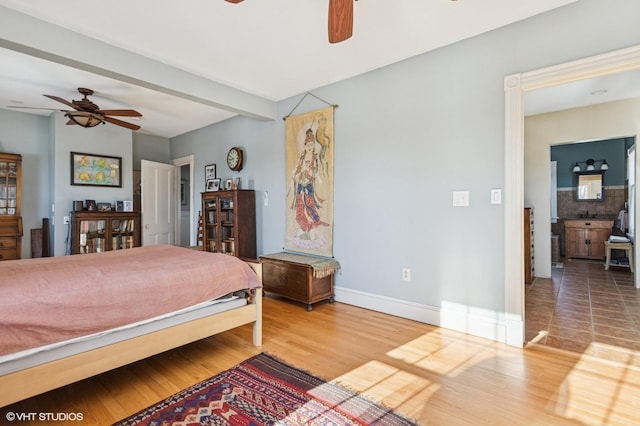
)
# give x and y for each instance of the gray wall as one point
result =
(45, 144)
(28, 135)
(407, 136)
(105, 140)
(152, 148)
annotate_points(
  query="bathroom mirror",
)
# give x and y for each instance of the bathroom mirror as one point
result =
(590, 186)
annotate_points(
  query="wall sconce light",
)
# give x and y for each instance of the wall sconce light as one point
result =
(590, 165)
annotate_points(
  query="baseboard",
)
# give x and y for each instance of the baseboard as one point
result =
(452, 318)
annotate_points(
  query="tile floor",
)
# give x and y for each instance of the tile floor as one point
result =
(583, 308)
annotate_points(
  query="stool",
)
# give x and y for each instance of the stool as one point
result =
(628, 247)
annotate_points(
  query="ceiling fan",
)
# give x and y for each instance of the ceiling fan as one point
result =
(340, 19)
(87, 114)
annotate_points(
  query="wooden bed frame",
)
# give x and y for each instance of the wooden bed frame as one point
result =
(33, 381)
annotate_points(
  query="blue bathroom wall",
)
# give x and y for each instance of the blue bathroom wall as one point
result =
(612, 150)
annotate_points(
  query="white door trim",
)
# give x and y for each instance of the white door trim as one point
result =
(515, 86)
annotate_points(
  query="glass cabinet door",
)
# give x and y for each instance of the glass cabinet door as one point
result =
(8, 187)
(226, 220)
(211, 225)
(92, 236)
(122, 234)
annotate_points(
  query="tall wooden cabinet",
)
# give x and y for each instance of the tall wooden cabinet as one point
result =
(95, 232)
(529, 268)
(230, 222)
(10, 206)
(585, 237)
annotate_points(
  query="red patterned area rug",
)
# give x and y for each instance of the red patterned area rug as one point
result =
(265, 391)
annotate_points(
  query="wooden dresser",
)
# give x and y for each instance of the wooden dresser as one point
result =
(301, 278)
(10, 206)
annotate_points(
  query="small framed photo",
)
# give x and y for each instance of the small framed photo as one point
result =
(104, 207)
(237, 183)
(209, 173)
(213, 185)
(228, 184)
(91, 205)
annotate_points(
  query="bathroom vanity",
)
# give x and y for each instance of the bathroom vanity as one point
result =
(585, 238)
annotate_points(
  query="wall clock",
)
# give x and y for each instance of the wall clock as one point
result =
(234, 159)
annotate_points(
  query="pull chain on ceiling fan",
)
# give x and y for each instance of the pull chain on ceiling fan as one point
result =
(340, 19)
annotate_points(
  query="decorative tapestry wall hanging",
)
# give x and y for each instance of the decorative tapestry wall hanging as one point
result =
(309, 167)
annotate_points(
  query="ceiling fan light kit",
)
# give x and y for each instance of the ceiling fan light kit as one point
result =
(82, 119)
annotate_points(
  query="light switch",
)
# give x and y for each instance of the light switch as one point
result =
(496, 196)
(460, 198)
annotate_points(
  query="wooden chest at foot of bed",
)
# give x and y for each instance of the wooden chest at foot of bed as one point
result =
(294, 277)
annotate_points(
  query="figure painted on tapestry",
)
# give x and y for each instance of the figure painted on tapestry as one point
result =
(306, 201)
(310, 175)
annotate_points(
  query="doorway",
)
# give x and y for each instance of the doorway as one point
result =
(186, 229)
(515, 87)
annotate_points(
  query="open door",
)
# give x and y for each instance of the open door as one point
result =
(159, 195)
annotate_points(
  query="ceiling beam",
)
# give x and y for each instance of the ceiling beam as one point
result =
(31, 36)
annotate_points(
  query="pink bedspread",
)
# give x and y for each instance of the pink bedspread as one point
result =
(48, 300)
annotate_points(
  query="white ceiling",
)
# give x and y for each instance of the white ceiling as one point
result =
(269, 49)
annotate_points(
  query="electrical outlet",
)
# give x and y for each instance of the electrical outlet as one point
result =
(65, 220)
(406, 274)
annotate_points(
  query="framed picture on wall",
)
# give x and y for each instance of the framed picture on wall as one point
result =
(96, 170)
(209, 173)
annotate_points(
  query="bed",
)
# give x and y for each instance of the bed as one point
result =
(97, 312)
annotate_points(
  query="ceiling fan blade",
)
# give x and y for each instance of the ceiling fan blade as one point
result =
(64, 101)
(120, 112)
(340, 20)
(44, 109)
(121, 123)
(234, 1)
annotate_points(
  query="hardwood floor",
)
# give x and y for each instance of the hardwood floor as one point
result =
(436, 376)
